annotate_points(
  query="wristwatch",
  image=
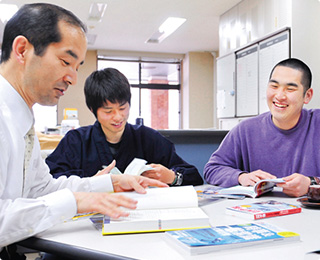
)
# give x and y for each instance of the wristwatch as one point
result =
(313, 180)
(178, 179)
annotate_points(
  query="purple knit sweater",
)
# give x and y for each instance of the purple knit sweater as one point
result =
(256, 143)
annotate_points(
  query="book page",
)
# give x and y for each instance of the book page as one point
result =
(156, 220)
(163, 214)
(171, 197)
(137, 166)
(245, 190)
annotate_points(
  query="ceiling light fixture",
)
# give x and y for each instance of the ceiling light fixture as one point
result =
(7, 11)
(91, 38)
(165, 29)
(96, 11)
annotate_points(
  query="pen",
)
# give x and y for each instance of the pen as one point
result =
(84, 215)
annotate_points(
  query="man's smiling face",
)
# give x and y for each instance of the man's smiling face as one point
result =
(285, 96)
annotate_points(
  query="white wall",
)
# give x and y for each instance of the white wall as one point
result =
(251, 20)
(306, 40)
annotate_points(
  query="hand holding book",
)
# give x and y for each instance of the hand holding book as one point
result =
(136, 167)
(251, 178)
(160, 209)
(257, 190)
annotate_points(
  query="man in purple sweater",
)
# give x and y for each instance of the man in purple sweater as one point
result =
(281, 143)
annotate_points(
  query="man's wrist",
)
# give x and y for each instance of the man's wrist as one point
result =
(241, 173)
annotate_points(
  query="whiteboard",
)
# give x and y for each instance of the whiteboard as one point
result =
(226, 86)
(247, 81)
(271, 51)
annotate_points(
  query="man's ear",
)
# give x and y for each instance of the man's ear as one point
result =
(308, 95)
(20, 46)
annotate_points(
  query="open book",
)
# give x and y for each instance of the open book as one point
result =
(136, 167)
(258, 189)
(200, 241)
(161, 209)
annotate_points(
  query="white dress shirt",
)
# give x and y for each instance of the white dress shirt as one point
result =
(35, 202)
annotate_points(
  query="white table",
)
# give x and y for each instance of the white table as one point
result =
(81, 233)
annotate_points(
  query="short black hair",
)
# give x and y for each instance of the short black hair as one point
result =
(106, 85)
(39, 24)
(297, 64)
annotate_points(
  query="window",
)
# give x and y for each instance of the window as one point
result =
(155, 90)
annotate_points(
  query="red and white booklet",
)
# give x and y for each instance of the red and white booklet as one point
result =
(263, 209)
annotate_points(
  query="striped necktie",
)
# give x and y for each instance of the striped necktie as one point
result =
(29, 140)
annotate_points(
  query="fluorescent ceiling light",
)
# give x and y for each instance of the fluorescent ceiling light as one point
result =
(171, 24)
(96, 11)
(7, 11)
(91, 38)
(165, 29)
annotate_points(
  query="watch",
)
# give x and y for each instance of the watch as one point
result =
(313, 180)
(178, 179)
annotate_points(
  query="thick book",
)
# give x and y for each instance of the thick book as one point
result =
(263, 209)
(200, 241)
(261, 187)
(160, 209)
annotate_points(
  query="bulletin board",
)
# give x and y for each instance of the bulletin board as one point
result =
(247, 81)
(271, 51)
(226, 86)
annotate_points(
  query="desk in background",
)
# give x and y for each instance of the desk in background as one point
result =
(81, 240)
(48, 143)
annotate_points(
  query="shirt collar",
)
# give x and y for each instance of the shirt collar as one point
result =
(301, 122)
(13, 106)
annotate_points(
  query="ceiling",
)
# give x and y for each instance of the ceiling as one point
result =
(127, 24)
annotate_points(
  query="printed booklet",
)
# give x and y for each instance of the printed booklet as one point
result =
(257, 190)
(263, 209)
(199, 241)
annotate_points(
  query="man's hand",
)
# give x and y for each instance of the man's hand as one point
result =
(160, 173)
(127, 182)
(107, 169)
(296, 185)
(110, 203)
(104, 203)
(251, 178)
